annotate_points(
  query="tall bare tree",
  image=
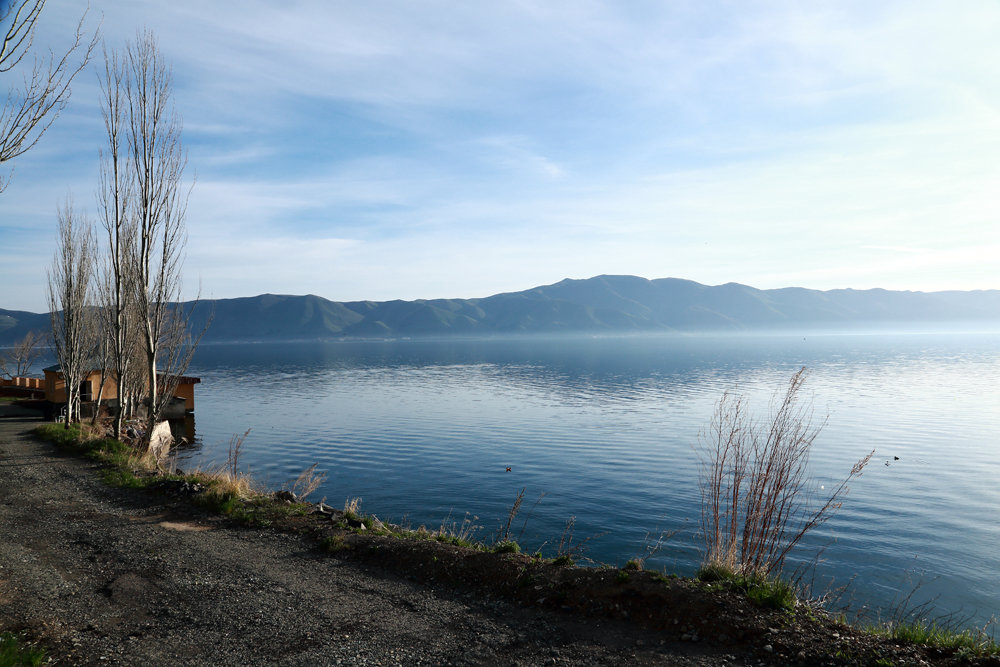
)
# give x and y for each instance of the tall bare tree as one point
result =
(114, 198)
(144, 201)
(30, 109)
(69, 289)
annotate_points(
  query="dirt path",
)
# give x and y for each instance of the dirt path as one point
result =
(107, 576)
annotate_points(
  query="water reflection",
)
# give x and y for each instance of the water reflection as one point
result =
(606, 427)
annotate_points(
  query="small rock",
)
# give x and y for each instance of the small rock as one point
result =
(285, 495)
(769, 648)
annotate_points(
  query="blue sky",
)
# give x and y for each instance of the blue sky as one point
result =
(385, 150)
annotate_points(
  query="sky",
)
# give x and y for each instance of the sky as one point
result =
(420, 149)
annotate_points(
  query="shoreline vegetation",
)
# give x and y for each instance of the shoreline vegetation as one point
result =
(753, 611)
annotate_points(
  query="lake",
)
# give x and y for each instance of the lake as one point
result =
(606, 429)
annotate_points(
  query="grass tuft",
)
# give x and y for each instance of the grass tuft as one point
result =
(966, 643)
(334, 544)
(15, 653)
(762, 590)
(507, 547)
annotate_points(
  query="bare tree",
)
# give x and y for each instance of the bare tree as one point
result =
(18, 360)
(32, 108)
(144, 202)
(114, 197)
(69, 287)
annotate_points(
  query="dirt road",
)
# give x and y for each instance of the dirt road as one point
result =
(108, 576)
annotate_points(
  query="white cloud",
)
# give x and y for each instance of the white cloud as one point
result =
(513, 144)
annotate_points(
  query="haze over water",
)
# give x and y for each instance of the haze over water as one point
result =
(606, 429)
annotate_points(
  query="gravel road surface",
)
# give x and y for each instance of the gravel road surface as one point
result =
(109, 576)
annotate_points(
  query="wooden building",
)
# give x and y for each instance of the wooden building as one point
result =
(55, 390)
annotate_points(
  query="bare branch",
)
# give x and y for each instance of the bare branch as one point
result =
(30, 109)
(18, 360)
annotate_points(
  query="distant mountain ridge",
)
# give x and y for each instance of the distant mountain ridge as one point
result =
(603, 304)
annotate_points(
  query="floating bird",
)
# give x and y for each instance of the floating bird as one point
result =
(508, 468)
(895, 458)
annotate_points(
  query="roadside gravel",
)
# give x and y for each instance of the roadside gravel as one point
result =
(108, 576)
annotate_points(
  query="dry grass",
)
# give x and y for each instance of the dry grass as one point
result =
(307, 482)
(754, 506)
(503, 534)
(228, 479)
(458, 533)
(352, 507)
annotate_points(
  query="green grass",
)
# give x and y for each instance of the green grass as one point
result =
(763, 591)
(562, 561)
(966, 643)
(334, 544)
(506, 547)
(59, 435)
(14, 653)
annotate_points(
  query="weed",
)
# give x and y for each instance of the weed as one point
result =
(459, 534)
(15, 653)
(764, 591)
(621, 576)
(352, 508)
(220, 500)
(122, 477)
(566, 544)
(941, 634)
(307, 482)
(752, 481)
(507, 547)
(503, 535)
(634, 564)
(334, 544)
(562, 560)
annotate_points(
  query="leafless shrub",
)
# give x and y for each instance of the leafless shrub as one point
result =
(651, 547)
(570, 549)
(754, 509)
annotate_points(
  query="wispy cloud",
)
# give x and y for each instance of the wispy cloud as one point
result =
(401, 150)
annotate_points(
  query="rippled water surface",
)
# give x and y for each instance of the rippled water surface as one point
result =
(606, 429)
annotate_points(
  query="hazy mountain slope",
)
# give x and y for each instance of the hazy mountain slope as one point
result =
(600, 304)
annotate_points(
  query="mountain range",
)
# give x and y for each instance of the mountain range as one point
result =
(603, 304)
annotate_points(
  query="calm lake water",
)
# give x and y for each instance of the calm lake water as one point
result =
(605, 428)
